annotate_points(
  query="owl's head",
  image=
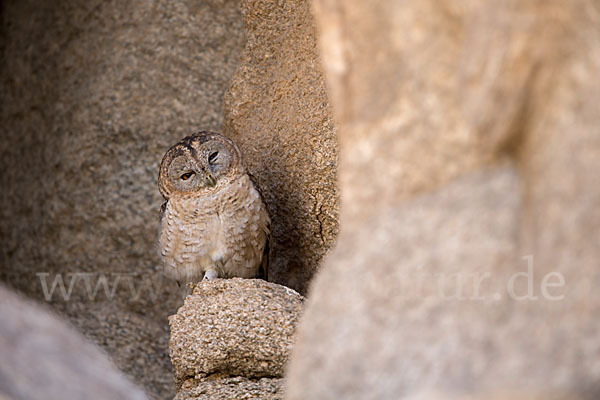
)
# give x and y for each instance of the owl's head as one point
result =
(198, 163)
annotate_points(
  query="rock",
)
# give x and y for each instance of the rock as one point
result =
(45, 358)
(233, 388)
(93, 94)
(277, 111)
(369, 351)
(234, 328)
(469, 142)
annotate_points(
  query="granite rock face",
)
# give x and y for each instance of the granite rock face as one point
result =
(467, 257)
(233, 336)
(277, 111)
(93, 94)
(45, 358)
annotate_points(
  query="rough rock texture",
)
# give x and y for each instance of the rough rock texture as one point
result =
(469, 157)
(44, 358)
(277, 111)
(93, 94)
(234, 328)
(233, 388)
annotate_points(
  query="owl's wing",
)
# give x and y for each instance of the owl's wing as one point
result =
(263, 271)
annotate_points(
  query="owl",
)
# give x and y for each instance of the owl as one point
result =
(213, 223)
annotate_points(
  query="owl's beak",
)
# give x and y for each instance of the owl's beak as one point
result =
(210, 180)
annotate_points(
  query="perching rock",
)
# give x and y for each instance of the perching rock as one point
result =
(468, 255)
(234, 328)
(45, 358)
(234, 388)
(277, 111)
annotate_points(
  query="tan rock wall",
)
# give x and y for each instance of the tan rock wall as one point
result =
(277, 110)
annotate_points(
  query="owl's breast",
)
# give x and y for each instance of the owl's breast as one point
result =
(226, 231)
(190, 237)
(245, 224)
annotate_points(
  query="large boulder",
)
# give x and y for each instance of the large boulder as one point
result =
(278, 112)
(93, 94)
(469, 151)
(233, 337)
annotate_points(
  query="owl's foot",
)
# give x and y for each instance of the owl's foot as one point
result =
(188, 289)
(210, 275)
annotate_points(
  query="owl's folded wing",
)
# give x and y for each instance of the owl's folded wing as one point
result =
(263, 272)
(163, 207)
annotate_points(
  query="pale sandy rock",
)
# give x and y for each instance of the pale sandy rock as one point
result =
(277, 111)
(234, 327)
(394, 320)
(469, 143)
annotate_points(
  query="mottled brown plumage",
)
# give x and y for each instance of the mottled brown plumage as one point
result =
(214, 223)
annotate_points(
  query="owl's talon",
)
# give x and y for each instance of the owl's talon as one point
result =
(210, 275)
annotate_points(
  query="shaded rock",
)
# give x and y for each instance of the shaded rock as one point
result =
(277, 111)
(93, 94)
(469, 151)
(234, 327)
(44, 358)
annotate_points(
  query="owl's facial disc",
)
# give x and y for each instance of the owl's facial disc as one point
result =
(199, 162)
